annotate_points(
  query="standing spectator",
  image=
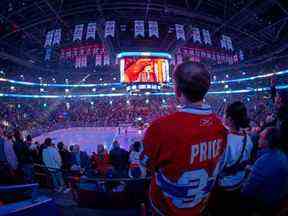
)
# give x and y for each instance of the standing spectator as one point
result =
(237, 157)
(178, 148)
(24, 156)
(136, 170)
(119, 159)
(282, 117)
(267, 184)
(52, 160)
(35, 152)
(65, 156)
(8, 159)
(79, 160)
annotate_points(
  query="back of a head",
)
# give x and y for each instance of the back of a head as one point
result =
(116, 144)
(17, 135)
(193, 80)
(29, 138)
(137, 146)
(48, 142)
(76, 148)
(272, 135)
(282, 105)
(60, 145)
(237, 112)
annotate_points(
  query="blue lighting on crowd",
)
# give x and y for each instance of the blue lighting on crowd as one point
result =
(144, 54)
(250, 78)
(239, 91)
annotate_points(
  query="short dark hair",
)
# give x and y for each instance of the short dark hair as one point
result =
(48, 142)
(60, 145)
(273, 137)
(193, 80)
(238, 113)
(137, 146)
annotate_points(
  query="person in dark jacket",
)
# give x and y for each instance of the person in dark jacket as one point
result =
(79, 160)
(25, 159)
(282, 117)
(119, 159)
(8, 160)
(65, 156)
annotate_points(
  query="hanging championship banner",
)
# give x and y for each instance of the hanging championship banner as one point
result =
(139, 29)
(229, 43)
(91, 31)
(57, 37)
(83, 62)
(77, 62)
(110, 28)
(196, 35)
(153, 29)
(49, 38)
(179, 59)
(180, 33)
(48, 53)
(241, 55)
(223, 42)
(98, 60)
(106, 59)
(123, 28)
(78, 31)
(206, 37)
(236, 60)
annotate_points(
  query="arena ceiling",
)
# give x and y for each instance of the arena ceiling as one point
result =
(259, 27)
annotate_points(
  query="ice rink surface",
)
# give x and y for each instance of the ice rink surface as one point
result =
(89, 137)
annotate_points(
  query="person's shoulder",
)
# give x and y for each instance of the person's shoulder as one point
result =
(166, 119)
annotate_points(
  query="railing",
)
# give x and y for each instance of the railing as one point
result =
(15, 188)
(99, 192)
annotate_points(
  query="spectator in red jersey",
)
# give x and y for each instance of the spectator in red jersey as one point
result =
(100, 161)
(184, 150)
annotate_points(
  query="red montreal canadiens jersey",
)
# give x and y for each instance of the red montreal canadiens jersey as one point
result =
(185, 152)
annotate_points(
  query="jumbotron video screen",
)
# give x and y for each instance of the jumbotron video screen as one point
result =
(144, 70)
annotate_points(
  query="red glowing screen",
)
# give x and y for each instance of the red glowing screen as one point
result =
(144, 70)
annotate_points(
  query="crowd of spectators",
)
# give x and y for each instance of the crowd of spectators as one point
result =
(258, 145)
(39, 116)
(20, 156)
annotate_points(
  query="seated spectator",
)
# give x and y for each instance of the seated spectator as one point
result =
(25, 159)
(267, 184)
(65, 156)
(101, 162)
(52, 160)
(237, 157)
(79, 160)
(8, 160)
(136, 170)
(119, 159)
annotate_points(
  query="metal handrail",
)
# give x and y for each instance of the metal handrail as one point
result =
(11, 188)
(96, 178)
